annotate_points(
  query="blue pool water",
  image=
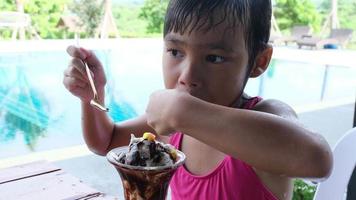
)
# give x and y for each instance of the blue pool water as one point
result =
(37, 113)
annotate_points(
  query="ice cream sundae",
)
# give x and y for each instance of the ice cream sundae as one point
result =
(147, 152)
(146, 167)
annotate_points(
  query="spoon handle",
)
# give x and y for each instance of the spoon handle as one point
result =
(91, 81)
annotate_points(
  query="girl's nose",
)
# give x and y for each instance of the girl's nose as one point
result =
(190, 75)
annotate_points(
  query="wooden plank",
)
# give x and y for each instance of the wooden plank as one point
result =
(54, 185)
(96, 197)
(26, 171)
(104, 197)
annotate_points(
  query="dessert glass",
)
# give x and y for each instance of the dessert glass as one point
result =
(148, 183)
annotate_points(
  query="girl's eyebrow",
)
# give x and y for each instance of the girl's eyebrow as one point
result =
(212, 46)
(219, 46)
(174, 40)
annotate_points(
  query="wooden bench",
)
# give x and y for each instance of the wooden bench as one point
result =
(43, 180)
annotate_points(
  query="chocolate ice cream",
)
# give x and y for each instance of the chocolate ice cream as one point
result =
(146, 167)
(147, 152)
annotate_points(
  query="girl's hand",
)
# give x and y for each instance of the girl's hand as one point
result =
(166, 109)
(75, 78)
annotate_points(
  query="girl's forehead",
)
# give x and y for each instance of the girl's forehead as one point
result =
(218, 37)
(205, 16)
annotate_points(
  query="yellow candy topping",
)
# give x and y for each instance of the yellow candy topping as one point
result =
(173, 153)
(149, 136)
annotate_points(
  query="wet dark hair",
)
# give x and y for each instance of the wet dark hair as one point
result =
(253, 16)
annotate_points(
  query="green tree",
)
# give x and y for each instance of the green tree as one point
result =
(346, 12)
(7, 5)
(154, 11)
(128, 21)
(45, 16)
(297, 12)
(90, 13)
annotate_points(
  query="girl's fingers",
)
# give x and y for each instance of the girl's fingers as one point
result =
(86, 55)
(72, 83)
(78, 88)
(79, 65)
(75, 52)
(81, 93)
(71, 71)
(92, 61)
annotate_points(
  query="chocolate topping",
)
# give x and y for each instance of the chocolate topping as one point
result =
(146, 153)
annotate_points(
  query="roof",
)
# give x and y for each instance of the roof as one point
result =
(72, 23)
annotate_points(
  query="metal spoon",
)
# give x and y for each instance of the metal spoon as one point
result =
(95, 101)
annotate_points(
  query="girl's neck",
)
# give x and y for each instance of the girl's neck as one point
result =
(239, 101)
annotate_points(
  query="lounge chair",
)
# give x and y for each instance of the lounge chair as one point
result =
(274, 38)
(338, 37)
(344, 163)
(18, 22)
(297, 33)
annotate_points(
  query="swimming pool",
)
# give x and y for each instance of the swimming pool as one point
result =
(38, 114)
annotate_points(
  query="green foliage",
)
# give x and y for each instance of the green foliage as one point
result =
(137, 20)
(45, 16)
(129, 24)
(346, 15)
(5, 33)
(346, 12)
(90, 13)
(296, 12)
(303, 191)
(154, 12)
(7, 5)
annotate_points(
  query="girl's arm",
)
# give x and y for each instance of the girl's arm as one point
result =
(101, 134)
(269, 139)
(99, 131)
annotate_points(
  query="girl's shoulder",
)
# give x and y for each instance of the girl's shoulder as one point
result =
(275, 107)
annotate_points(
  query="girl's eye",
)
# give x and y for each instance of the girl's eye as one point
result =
(175, 53)
(215, 59)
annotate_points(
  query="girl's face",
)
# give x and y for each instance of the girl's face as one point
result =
(211, 66)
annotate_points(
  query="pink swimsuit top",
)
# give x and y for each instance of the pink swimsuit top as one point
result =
(231, 179)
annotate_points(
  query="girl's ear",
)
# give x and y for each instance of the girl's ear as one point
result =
(262, 62)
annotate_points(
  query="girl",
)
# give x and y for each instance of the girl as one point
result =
(237, 147)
